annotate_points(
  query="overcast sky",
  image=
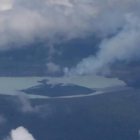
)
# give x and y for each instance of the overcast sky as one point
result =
(23, 22)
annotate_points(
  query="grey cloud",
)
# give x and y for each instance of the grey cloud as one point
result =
(25, 103)
(26, 20)
(2, 119)
(23, 21)
(26, 106)
(44, 111)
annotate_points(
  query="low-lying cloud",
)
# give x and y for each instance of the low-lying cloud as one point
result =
(20, 134)
(26, 107)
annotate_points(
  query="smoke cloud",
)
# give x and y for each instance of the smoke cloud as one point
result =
(124, 46)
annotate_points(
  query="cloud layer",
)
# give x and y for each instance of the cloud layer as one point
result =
(23, 22)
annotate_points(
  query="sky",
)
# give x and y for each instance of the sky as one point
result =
(27, 22)
(117, 22)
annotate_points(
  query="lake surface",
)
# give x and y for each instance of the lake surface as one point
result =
(12, 85)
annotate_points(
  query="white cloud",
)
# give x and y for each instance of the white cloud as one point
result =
(52, 68)
(47, 19)
(125, 45)
(20, 134)
(6, 5)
